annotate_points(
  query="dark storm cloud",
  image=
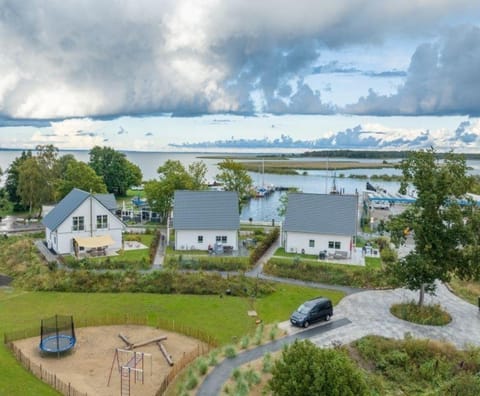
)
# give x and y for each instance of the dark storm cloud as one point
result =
(109, 58)
(442, 80)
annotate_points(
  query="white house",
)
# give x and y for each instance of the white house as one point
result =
(83, 222)
(315, 223)
(205, 219)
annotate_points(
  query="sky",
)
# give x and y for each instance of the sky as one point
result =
(143, 74)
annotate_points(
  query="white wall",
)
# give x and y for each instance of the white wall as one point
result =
(296, 241)
(188, 239)
(65, 234)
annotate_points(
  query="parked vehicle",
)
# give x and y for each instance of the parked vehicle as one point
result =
(312, 311)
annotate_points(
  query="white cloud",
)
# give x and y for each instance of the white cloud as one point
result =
(91, 58)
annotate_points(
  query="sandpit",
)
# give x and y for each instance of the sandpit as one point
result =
(87, 366)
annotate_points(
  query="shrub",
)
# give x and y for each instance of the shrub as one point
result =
(273, 331)
(212, 358)
(267, 363)
(432, 315)
(263, 246)
(202, 366)
(305, 369)
(191, 381)
(245, 342)
(229, 351)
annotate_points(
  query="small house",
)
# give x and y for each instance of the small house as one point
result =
(320, 224)
(206, 220)
(83, 222)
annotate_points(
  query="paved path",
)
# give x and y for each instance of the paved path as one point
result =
(221, 373)
(369, 313)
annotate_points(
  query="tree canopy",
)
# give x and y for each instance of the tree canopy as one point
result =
(438, 220)
(173, 176)
(305, 369)
(79, 175)
(234, 177)
(118, 173)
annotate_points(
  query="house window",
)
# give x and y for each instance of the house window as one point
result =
(78, 223)
(102, 221)
(200, 239)
(311, 243)
(334, 244)
(222, 238)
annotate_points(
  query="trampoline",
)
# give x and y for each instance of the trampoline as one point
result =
(57, 334)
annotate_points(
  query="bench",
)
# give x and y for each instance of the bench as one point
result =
(340, 254)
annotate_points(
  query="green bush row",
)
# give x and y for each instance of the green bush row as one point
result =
(207, 263)
(263, 246)
(106, 263)
(164, 282)
(154, 245)
(335, 274)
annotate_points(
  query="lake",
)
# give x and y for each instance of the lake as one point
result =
(259, 209)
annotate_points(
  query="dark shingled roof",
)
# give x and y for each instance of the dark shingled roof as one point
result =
(206, 210)
(321, 214)
(72, 201)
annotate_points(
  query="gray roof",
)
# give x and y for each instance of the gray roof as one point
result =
(321, 214)
(69, 203)
(206, 210)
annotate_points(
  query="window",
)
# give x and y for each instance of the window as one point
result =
(334, 245)
(200, 239)
(78, 223)
(102, 221)
(311, 243)
(222, 238)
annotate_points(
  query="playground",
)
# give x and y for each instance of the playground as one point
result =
(93, 359)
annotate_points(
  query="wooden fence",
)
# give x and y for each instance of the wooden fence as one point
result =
(67, 389)
(180, 365)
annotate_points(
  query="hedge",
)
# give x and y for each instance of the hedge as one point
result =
(207, 263)
(263, 246)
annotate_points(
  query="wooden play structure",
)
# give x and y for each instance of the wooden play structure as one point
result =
(157, 340)
(128, 363)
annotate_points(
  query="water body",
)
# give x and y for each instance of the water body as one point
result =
(259, 209)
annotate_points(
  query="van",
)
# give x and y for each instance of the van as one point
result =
(312, 311)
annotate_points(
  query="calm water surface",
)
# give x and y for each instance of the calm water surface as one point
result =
(260, 209)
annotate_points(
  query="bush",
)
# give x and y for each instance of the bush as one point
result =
(229, 351)
(267, 363)
(305, 369)
(432, 315)
(263, 246)
(202, 366)
(245, 342)
(348, 275)
(207, 263)
(191, 381)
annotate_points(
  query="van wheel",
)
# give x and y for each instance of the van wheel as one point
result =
(327, 318)
(306, 324)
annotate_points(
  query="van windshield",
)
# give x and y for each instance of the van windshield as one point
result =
(303, 309)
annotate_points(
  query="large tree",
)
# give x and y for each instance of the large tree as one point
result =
(305, 369)
(118, 173)
(11, 184)
(234, 177)
(437, 220)
(33, 188)
(79, 175)
(173, 176)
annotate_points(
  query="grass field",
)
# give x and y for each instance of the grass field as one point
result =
(223, 318)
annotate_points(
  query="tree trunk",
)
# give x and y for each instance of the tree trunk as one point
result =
(422, 295)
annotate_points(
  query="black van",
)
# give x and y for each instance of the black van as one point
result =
(311, 311)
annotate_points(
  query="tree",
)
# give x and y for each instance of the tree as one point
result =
(32, 187)
(305, 369)
(79, 175)
(234, 177)
(197, 171)
(437, 220)
(117, 172)
(11, 184)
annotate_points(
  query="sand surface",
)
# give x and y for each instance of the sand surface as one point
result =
(87, 367)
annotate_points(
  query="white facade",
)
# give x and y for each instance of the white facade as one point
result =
(61, 239)
(202, 239)
(308, 243)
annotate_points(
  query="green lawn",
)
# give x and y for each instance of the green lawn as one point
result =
(222, 318)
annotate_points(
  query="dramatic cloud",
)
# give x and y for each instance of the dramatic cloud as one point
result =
(186, 57)
(442, 80)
